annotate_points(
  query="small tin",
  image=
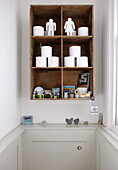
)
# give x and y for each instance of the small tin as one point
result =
(77, 96)
(71, 95)
(65, 95)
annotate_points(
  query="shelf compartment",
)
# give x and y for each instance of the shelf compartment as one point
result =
(47, 79)
(80, 14)
(71, 77)
(86, 49)
(37, 43)
(41, 16)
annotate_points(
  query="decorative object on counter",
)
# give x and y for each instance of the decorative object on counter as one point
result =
(84, 80)
(82, 61)
(69, 61)
(46, 51)
(27, 120)
(85, 122)
(50, 27)
(83, 31)
(69, 27)
(76, 121)
(41, 61)
(44, 123)
(69, 121)
(100, 121)
(38, 31)
(75, 51)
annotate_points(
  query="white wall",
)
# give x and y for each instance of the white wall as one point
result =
(10, 63)
(107, 60)
(57, 111)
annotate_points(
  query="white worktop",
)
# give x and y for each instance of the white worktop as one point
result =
(61, 126)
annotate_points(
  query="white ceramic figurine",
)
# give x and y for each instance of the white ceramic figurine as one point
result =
(50, 27)
(69, 27)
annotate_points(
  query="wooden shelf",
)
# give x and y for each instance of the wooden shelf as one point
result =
(53, 77)
(45, 39)
(46, 68)
(55, 68)
(62, 99)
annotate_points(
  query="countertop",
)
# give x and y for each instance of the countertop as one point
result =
(61, 126)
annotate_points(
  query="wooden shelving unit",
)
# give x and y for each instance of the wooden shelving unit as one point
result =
(51, 77)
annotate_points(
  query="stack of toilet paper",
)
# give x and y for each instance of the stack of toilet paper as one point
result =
(75, 59)
(46, 59)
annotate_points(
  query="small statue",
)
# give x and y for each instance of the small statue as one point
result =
(69, 27)
(69, 121)
(50, 27)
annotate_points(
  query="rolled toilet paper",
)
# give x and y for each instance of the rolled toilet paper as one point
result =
(82, 61)
(53, 61)
(69, 61)
(38, 31)
(46, 51)
(41, 61)
(75, 51)
(83, 31)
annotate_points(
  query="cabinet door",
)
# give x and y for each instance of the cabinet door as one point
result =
(59, 156)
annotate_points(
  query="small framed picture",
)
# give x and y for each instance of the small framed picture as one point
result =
(27, 120)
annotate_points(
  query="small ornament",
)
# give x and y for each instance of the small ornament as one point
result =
(69, 27)
(76, 121)
(50, 27)
(69, 121)
(94, 108)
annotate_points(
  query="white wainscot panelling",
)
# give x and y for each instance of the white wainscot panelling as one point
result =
(57, 149)
(10, 157)
(107, 155)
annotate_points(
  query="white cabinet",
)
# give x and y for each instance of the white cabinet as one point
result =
(58, 149)
(59, 155)
(10, 156)
(107, 152)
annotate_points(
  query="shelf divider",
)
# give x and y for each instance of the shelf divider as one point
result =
(61, 20)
